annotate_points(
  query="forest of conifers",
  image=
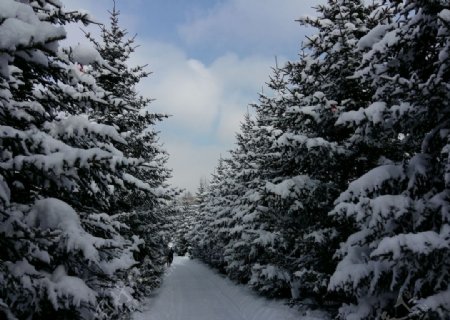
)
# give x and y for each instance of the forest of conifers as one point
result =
(335, 196)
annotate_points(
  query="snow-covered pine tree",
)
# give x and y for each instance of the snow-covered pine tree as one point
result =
(210, 232)
(233, 240)
(201, 191)
(223, 196)
(61, 257)
(272, 196)
(197, 233)
(237, 251)
(290, 238)
(129, 113)
(233, 234)
(314, 163)
(262, 245)
(184, 222)
(397, 262)
(281, 238)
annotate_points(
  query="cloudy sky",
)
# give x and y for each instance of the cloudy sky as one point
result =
(210, 59)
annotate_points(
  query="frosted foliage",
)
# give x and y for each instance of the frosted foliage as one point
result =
(52, 214)
(55, 214)
(287, 139)
(435, 302)
(73, 288)
(21, 26)
(373, 113)
(85, 54)
(375, 35)
(392, 238)
(64, 252)
(445, 15)
(292, 186)
(5, 193)
(372, 182)
(55, 155)
(79, 126)
(52, 217)
(419, 243)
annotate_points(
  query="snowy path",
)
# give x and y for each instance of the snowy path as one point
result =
(192, 291)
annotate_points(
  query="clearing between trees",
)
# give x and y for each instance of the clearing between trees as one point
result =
(192, 291)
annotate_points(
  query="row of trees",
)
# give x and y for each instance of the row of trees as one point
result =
(83, 185)
(337, 192)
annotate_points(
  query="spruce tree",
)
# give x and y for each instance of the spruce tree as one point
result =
(61, 256)
(243, 169)
(396, 263)
(145, 211)
(195, 234)
(208, 235)
(315, 162)
(283, 212)
(267, 244)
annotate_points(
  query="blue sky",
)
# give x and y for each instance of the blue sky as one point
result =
(210, 59)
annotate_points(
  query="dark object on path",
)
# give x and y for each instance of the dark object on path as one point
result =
(169, 257)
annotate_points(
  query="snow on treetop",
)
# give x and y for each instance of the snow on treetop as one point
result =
(293, 185)
(371, 181)
(54, 214)
(374, 113)
(63, 285)
(5, 193)
(421, 243)
(21, 26)
(374, 35)
(85, 54)
(445, 15)
(81, 125)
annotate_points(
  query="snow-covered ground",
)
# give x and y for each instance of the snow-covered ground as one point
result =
(192, 291)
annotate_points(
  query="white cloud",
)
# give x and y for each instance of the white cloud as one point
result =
(202, 99)
(183, 87)
(241, 79)
(257, 25)
(191, 162)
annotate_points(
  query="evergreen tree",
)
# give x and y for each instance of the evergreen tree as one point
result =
(281, 238)
(128, 111)
(184, 222)
(267, 246)
(237, 251)
(396, 263)
(145, 211)
(315, 163)
(61, 256)
(207, 238)
(195, 232)
(197, 235)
